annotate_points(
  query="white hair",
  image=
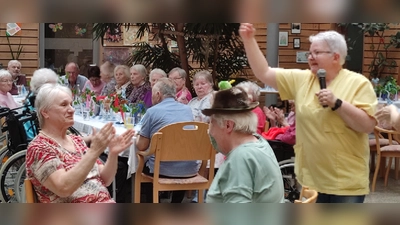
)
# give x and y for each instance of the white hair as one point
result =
(141, 69)
(158, 71)
(4, 73)
(245, 122)
(42, 76)
(46, 96)
(14, 62)
(335, 41)
(251, 89)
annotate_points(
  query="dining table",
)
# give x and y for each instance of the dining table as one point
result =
(86, 126)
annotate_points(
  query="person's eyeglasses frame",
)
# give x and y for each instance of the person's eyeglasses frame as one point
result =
(316, 53)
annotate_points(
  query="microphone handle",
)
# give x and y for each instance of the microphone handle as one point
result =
(322, 84)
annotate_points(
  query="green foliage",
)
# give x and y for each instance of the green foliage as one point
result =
(387, 85)
(213, 46)
(380, 60)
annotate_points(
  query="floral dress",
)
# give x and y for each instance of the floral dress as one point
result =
(45, 156)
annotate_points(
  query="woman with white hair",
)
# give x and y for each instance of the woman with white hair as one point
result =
(155, 75)
(107, 76)
(253, 92)
(141, 87)
(6, 99)
(178, 75)
(203, 86)
(122, 78)
(39, 78)
(332, 124)
(61, 167)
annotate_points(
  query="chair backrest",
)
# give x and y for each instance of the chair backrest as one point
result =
(183, 141)
(309, 195)
(392, 135)
(30, 192)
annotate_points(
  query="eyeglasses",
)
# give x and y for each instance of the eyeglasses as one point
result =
(316, 53)
(6, 81)
(176, 78)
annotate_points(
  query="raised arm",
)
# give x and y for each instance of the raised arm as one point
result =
(256, 59)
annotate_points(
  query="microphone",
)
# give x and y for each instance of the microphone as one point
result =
(321, 73)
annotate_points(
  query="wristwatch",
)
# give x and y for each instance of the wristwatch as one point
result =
(338, 103)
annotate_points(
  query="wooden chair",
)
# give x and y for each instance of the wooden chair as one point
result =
(309, 195)
(266, 126)
(183, 141)
(392, 150)
(30, 194)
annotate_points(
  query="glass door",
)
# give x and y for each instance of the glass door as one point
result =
(66, 42)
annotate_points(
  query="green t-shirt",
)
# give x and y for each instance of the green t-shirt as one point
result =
(249, 174)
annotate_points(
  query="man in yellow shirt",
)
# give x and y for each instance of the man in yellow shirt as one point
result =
(332, 150)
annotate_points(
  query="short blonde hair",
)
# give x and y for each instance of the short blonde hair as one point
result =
(125, 70)
(46, 96)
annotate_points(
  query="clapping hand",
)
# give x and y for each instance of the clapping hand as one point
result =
(119, 143)
(270, 114)
(102, 139)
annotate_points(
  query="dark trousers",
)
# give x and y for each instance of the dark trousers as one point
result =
(123, 185)
(327, 198)
(146, 195)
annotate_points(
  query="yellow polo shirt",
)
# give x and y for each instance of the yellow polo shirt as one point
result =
(330, 157)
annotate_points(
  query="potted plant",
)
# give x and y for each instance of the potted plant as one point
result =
(387, 89)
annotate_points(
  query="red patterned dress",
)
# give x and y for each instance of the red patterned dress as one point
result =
(45, 156)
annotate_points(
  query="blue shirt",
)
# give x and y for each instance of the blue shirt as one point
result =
(80, 80)
(162, 114)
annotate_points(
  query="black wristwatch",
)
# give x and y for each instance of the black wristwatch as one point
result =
(338, 103)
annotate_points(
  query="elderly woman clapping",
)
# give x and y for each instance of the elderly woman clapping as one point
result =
(61, 167)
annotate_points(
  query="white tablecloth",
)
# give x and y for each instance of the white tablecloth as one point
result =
(85, 126)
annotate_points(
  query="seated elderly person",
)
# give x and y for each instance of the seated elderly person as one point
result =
(155, 75)
(94, 83)
(40, 77)
(388, 117)
(165, 111)
(250, 172)
(6, 99)
(141, 87)
(14, 67)
(287, 126)
(60, 166)
(107, 76)
(73, 79)
(253, 92)
(178, 75)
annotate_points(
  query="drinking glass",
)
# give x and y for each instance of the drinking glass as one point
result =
(129, 121)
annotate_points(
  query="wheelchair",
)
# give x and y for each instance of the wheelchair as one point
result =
(13, 154)
(285, 156)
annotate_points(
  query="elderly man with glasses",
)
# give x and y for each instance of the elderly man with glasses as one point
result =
(332, 123)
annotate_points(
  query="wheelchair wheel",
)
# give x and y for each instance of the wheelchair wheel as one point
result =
(9, 173)
(4, 155)
(290, 183)
(19, 184)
